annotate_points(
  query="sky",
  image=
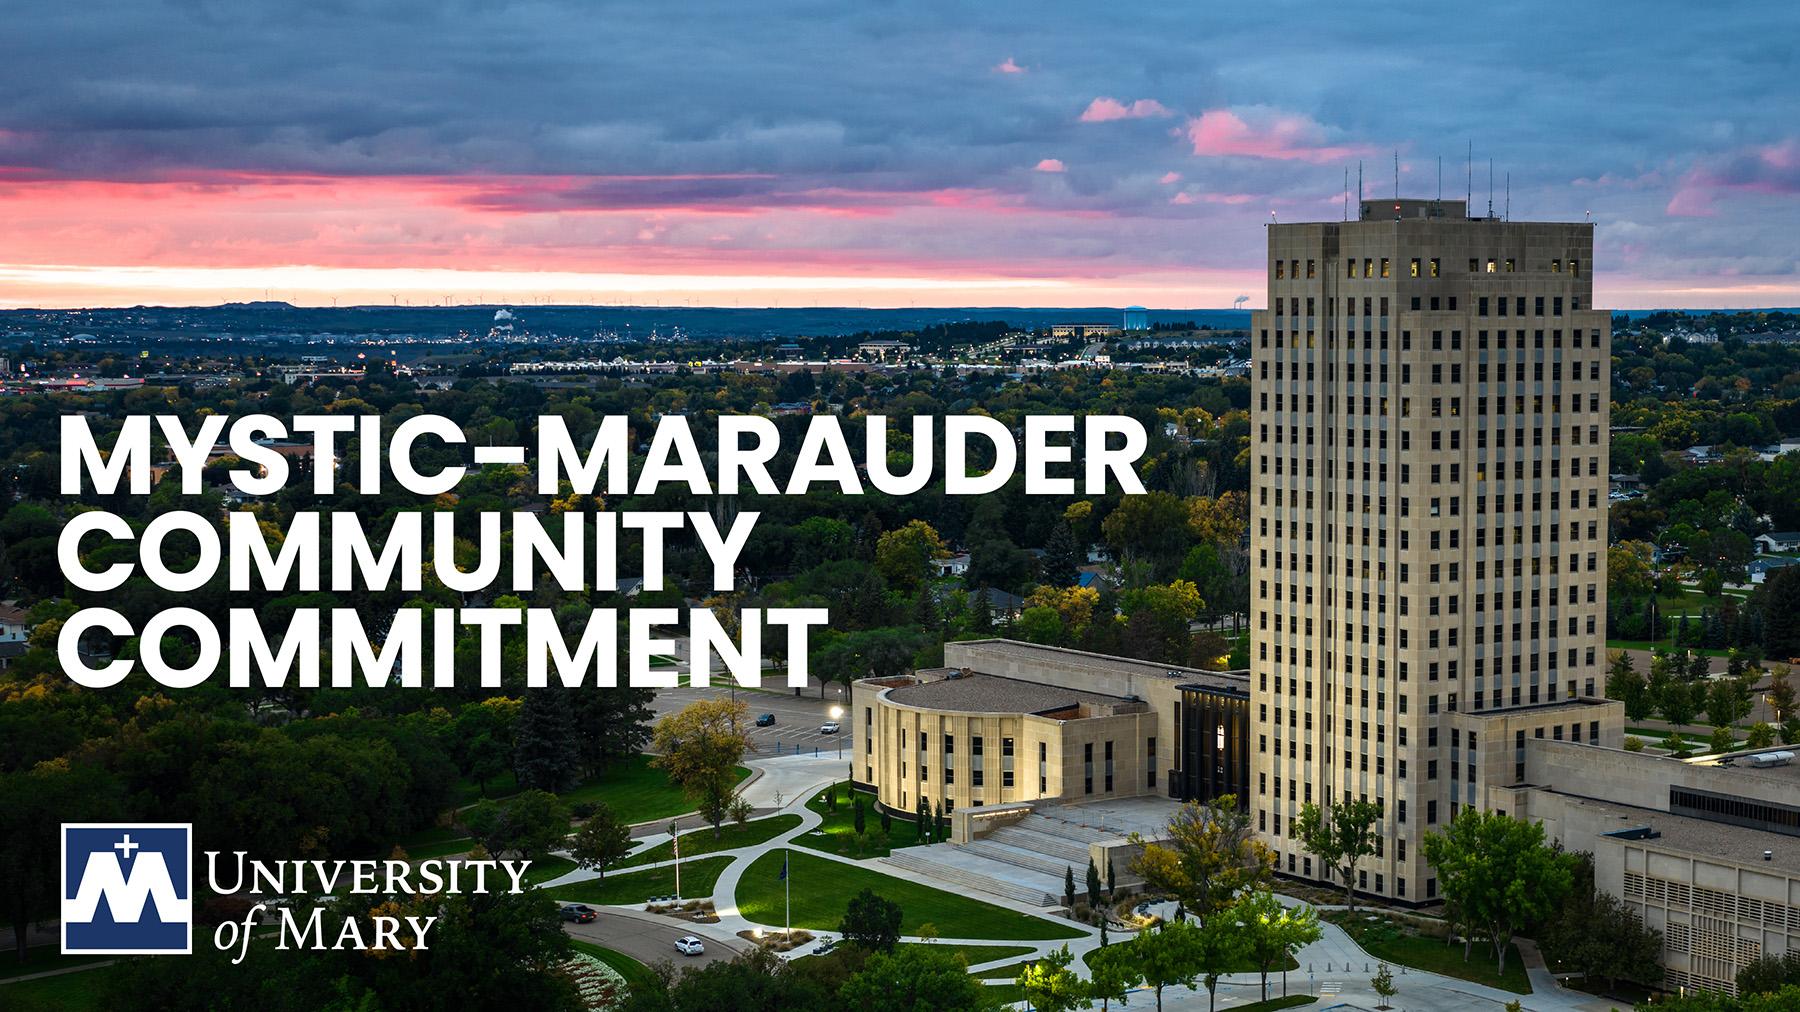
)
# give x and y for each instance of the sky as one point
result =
(875, 153)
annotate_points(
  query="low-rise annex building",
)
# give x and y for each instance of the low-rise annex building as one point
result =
(1006, 722)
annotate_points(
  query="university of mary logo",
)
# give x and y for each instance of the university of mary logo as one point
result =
(127, 890)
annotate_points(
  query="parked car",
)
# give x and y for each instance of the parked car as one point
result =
(825, 946)
(766, 720)
(829, 727)
(688, 945)
(580, 913)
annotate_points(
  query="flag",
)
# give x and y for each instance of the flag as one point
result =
(783, 876)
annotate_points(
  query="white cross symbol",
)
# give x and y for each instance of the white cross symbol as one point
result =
(126, 846)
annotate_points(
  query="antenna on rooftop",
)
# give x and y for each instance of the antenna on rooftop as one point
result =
(1509, 196)
(1396, 175)
(1490, 187)
(1359, 187)
(1469, 186)
(1346, 193)
(1440, 179)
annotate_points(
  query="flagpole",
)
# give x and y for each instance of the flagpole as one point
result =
(787, 883)
(675, 839)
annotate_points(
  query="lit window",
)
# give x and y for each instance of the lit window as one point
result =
(1491, 265)
(1384, 267)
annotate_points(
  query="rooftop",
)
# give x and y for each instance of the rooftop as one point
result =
(1683, 835)
(950, 689)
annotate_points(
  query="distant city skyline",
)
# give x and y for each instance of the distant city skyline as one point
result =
(197, 153)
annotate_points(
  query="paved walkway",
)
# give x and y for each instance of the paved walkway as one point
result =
(1335, 968)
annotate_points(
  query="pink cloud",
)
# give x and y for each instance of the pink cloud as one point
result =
(1008, 66)
(1169, 178)
(1050, 165)
(1772, 169)
(1103, 110)
(1183, 197)
(1282, 137)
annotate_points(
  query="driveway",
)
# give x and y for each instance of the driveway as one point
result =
(647, 938)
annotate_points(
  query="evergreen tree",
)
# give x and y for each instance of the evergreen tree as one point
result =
(981, 612)
(1058, 567)
(546, 755)
(1068, 887)
(611, 725)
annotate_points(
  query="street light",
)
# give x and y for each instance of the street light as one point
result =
(837, 712)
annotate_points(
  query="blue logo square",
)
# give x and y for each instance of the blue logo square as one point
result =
(127, 888)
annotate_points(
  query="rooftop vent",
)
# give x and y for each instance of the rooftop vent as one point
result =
(1765, 760)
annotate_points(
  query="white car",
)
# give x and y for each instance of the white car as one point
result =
(829, 727)
(688, 945)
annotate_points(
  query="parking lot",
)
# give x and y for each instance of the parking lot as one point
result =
(797, 718)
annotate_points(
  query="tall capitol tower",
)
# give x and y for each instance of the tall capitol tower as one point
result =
(1428, 528)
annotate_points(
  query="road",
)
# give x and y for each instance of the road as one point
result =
(648, 939)
(797, 718)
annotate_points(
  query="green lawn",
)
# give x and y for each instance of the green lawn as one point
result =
(546, 868)
(1007, 994)
(41, 959)
(972, 954)
(697, 881)
(636, 974)
(837, 834)
(731, 836)
(467, 792)
(1273, 1004)
(1010, 971)
(821, 888)
(636, 792)
(448, 848)
(1390, 943)
(68, 992)
(438, 841)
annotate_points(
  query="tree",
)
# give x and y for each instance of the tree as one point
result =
(532, 822)
(546, 754)
(1340, 838)
(1761, 735)
(904, 555)
(1383, 984)
(859, 818)
(1220, 946)
(1057, 568)
(1595, 934)
(1050, 986)
(1781, 692)
(1114, 973)
(33, 803)
(1170, 955)
(1624, 683)
(918, 978)
(1209, 856)
(1273, 932)
(700, 747)
(1093, 883)
(1675, 698)
(1069, 887)
(1769, 974)
(601, 841)
(1499, 873)
(871, 922)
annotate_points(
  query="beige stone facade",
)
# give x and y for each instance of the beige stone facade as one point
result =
(1707, 852)
(1428, 536)
(1010, 722)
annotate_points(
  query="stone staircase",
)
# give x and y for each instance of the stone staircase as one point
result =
(1024, 861)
